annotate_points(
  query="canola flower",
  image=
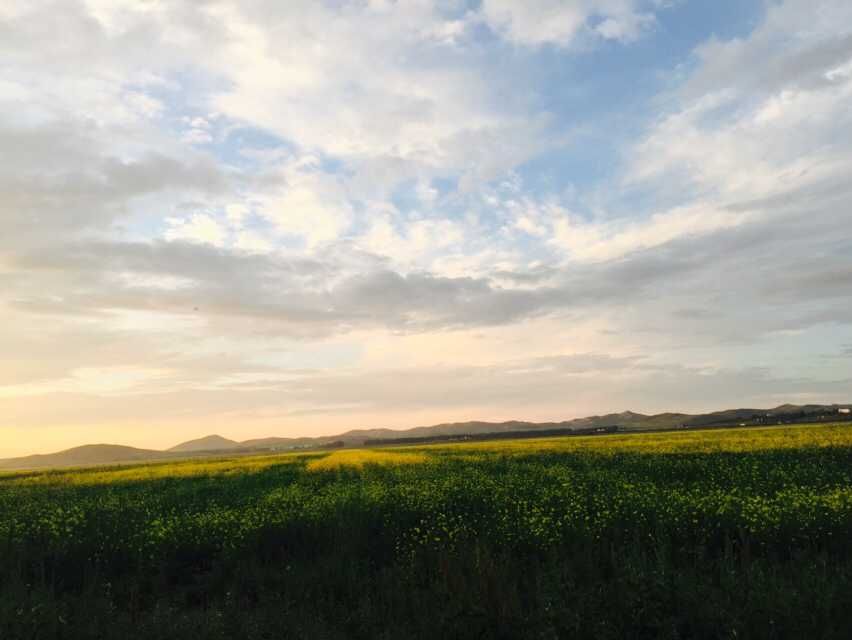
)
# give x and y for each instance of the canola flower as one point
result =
(769, 488)
(358, 458)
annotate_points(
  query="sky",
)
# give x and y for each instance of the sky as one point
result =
(262, 218)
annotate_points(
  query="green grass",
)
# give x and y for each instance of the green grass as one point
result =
(741, 533)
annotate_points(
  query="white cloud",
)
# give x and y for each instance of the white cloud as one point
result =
(344, 82)
(561, 22)
(528, 225)
(758, 114)
(578, 238)
(199, 227)
(596, 242)
(411, 243)
(236, 213)
(761, 146)
(302, 210)
(253, 242)
(196, 136)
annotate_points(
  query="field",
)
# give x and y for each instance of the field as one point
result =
(739, 533)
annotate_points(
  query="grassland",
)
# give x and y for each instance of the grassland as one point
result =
(741, 533)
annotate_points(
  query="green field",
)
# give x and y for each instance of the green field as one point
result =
(739, 533)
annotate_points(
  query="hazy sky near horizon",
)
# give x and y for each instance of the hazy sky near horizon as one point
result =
(266, 218)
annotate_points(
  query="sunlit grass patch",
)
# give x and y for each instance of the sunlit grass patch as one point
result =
(149, 471)
(358, 458)
(728, 440)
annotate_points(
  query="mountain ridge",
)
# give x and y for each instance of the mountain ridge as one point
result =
(84, 455)
(103, 454)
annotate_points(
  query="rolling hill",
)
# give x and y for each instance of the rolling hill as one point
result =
(87, 455)
(207, 443)
(100, 454)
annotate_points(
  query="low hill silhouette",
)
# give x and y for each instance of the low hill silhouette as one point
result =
(101, 454)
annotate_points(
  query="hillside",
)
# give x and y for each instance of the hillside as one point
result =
(625, 421)
(282, 443)
(207, 443)
(90, 454)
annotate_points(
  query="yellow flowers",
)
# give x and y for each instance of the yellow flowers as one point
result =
(702, 441)
(776, 486)
(157, 470)
(605, 506)
(357, 458)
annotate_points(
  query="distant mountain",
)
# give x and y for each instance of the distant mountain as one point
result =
(101, 454)
(284, 443)
(87, 455)
(359, 436)
(626, 420)
(207, 443)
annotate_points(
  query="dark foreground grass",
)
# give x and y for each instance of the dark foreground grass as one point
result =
(716, 535)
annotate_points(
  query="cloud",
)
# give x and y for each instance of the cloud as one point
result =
(199, 227)
(410, 243)
(256, 210)
(92, 191)
(759, 258)
(308, 211)
(779, 54)
(358, 82)
(539, 22)
(759, 114)
(583, 240)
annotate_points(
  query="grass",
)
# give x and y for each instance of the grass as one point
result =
(714, 534)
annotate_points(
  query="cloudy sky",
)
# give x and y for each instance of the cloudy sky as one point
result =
(285, 218)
